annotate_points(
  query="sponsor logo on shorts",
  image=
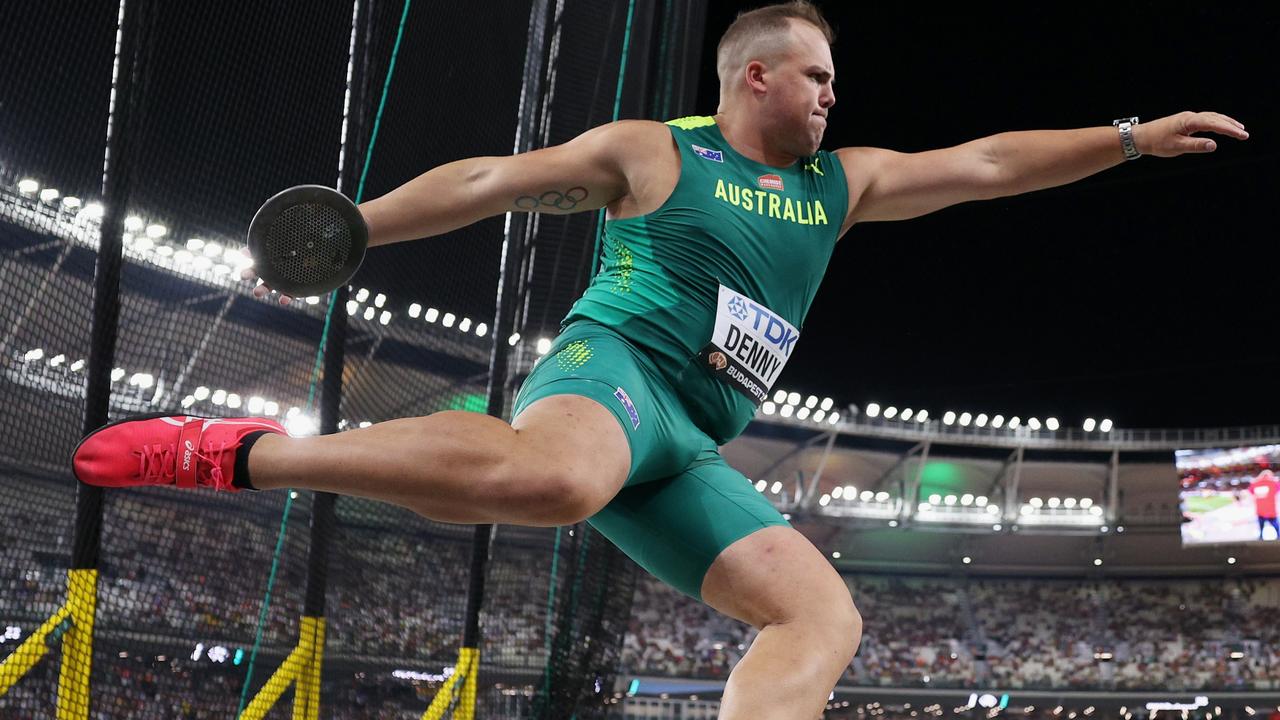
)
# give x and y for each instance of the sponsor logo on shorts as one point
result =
(630, 408)
(717, 360)
(770, 182)
(707, 153)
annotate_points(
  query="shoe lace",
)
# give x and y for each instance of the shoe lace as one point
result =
(158, 464)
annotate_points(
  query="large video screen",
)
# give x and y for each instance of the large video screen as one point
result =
(1229, 495)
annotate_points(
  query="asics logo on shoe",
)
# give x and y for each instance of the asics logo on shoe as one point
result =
(186, 456)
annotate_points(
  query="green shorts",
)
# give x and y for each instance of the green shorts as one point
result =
(682, 504)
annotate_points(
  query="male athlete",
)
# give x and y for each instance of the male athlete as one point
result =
(719, 230)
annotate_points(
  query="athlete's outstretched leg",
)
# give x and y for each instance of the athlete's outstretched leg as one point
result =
(776, 580)
(562, 460)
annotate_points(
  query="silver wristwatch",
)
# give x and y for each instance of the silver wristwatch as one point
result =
(1126, 137)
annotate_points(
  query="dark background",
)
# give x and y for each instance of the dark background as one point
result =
(1145, 294)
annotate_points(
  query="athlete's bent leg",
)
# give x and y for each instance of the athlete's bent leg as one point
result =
(776, 580)
(563, 459)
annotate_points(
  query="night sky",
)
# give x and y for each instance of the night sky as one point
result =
(1146, 293)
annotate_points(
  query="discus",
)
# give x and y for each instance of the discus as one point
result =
(307, 240)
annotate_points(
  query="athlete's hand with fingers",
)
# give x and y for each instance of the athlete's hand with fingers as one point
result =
(262, 290)
(1174, 135)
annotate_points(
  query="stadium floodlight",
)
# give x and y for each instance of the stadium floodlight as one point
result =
(94, 211)
(202, 263)
(255, 404)
(155, 231)
(221, 269)
(1033, 423)
(201, 393)
(866, 496)
(353, 307)
(980, 501)
(906, 414)
(1231, 561)
(761, 485)
(1069, 503)
(433, 314)
(992, 510)
(183, 257)
(117, 374)
(271, 408)
(1096, 510)
(1097, 561)
(449, 319)
(997, 421)
(142, 380)
(935, 499)
(965, 419)
(164, 250)
(997, 527)
(1014, 422)
(966, 559)
(769, 407)
(981, 420)
(33, 355)
(949, 418)
(966, 499)
(57, 360)
(49, 195)
(793, 398)
(143, 244)
(1105, 425)
(922, 416)
(233, 401)
(1026, 509)
(27, 186)
(188, 401)
(833, 418)
(827, 403)
(882, 496)
(924, 506)
(787, 410)
(311, 299)
(850, 491)
(1086, 503)
(1036, 502)
(802, 413)
(219, 397)
(950, 499)
(300, 425)
(893, 523)
(133, 223)
(379, 300)
(818, 415)
(1052, 424)
(544, 345)
(1089, 424)
(837, 492)
(890, 412)
(195, 244)
(71, 202)
(1054, 502)
(873, 410)
(385, 317)
(824, 500)
(363, 294)
(415, 310)
(465, 325)
(369, 312)
(482, 330)
(835, 554)
(811, 402)
(776, 487)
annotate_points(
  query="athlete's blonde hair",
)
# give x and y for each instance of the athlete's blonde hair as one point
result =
(762, 34)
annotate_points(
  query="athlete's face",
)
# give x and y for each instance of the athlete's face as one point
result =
(800, 92)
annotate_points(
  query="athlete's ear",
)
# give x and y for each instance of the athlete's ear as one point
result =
(754, 75)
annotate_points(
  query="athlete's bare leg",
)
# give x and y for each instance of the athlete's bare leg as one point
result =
(776, 580)
(561, 460)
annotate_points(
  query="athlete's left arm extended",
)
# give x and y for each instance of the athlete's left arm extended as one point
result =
(888, 185)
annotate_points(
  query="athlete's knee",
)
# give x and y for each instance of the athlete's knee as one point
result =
(555, 488)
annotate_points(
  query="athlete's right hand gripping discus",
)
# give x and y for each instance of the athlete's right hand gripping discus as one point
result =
(307, 240)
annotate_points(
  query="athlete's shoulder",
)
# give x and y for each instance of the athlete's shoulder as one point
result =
(692, 122)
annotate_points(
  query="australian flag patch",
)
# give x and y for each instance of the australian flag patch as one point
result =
(707, 153)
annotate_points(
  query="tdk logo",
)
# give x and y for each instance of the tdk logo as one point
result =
(765, 323)
(707, 153)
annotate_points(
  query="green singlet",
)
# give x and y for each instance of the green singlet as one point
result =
(682, 334)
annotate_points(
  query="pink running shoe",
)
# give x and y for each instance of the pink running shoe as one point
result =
(177, 450)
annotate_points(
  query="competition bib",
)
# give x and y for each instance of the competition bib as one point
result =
(749, 346)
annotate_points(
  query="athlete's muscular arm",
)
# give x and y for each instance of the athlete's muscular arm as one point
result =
(887, 185)
(586, 173)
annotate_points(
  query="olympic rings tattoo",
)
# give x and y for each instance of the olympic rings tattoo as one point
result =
(566, 200)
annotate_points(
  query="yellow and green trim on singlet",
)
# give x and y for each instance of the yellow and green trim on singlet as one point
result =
(765, 232)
